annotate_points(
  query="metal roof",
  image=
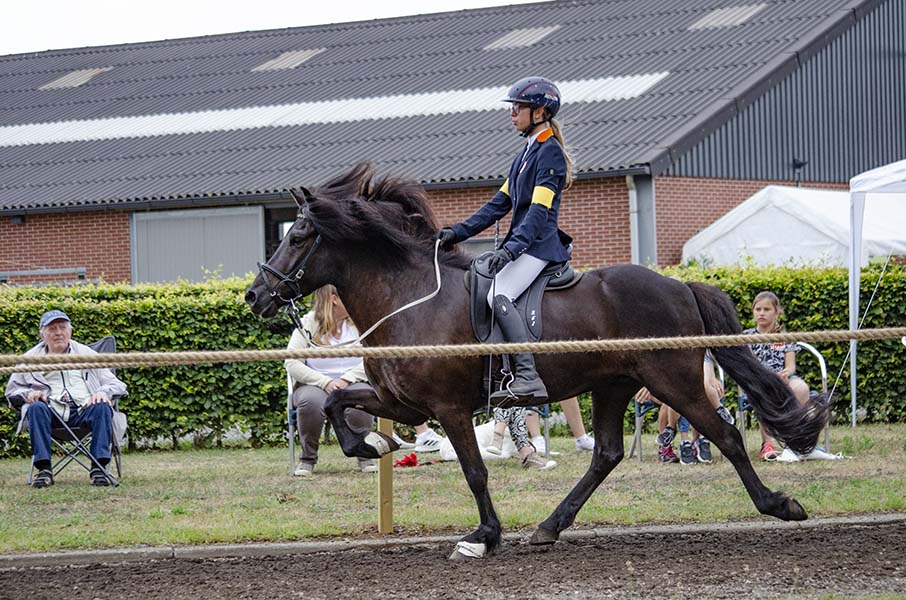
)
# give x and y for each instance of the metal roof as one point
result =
(228, 131)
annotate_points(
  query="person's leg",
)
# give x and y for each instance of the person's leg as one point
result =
(573, 414)
(310, 418)
(669, 430)
(99, 418)
(501, 417)
(800, 389)
(39, 423)
(687, 454)
(530, 457)
(509, 283)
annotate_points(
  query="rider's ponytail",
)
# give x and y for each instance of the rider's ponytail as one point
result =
(558, 133)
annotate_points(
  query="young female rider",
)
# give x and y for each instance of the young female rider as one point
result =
(537, 177)
(779, 358)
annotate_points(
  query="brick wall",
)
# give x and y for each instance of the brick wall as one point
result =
(96, 240)
(686, 205)
(595, 213)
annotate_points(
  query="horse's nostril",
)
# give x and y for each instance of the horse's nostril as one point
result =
(251, 297)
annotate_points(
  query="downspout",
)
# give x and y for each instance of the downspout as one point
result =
(634, 243)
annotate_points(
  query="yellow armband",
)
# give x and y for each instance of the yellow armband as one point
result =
(543, 196)
(505, 188)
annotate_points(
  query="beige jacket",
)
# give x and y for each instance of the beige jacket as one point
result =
(97, 380)
(301, 373)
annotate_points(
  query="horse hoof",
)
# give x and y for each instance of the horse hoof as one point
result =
(543, 536)
(467, 550)
(380, 443)
(794, 511)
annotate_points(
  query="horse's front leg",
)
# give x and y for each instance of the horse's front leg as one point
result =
(363, 397)
(485, 539)
(609, 406)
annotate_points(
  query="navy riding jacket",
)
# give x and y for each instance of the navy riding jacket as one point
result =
(532, 191)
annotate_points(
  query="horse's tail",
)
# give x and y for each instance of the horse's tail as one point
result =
(776, 406)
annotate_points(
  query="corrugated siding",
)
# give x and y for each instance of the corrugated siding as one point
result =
(843, 111)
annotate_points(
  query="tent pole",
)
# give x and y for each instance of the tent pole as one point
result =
(856, 213)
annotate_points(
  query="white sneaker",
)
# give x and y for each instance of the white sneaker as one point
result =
(538, 462)
(304, 470)
(367, 465)
(586, 442)
(404, 445)
(428, 441)
(541, 446)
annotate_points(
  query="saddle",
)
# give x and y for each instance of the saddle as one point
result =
(478, 280)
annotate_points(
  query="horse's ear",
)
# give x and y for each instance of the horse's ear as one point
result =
(302, 199)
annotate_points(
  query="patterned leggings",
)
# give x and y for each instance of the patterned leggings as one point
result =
(515, 420)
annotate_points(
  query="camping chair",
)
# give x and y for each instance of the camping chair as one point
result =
(643, 408)
(745, 406)
(74, 442)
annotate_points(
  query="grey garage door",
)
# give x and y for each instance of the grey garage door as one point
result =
(190, 244)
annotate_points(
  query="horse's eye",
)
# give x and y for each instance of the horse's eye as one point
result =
(296, 238)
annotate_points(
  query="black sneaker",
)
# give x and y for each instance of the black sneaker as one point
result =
(687, 453)
(703, 450)
(665, 438)
(43, 479)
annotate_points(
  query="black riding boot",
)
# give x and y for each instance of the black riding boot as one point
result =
(526, 382)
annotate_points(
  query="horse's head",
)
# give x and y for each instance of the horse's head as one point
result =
(295, 269)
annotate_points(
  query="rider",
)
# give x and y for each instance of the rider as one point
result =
(537, 177)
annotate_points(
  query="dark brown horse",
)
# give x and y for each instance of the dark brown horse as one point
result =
(373, 239)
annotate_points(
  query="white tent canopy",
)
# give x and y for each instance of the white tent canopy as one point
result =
(789, 225)
(878, 185)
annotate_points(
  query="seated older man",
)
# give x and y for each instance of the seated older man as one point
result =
(76, 397)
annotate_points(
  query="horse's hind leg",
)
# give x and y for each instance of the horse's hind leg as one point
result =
(692, 403)
(728, 439)
(607, 423)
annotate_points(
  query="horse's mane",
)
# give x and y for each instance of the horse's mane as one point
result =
(389, 216)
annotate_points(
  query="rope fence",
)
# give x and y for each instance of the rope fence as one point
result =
(12, 363)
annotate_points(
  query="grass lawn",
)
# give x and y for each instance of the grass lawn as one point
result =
(237, 495)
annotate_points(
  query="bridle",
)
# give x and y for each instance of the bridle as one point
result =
(291, 282)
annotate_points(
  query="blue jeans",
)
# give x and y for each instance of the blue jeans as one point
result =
(98, 418)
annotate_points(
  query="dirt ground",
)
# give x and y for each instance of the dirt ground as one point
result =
(844, 560)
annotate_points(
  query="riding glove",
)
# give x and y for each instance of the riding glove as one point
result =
(446, 236)
(499, 259)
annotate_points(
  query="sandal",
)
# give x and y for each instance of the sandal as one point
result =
(768, 452)
(98, 478)
(43, 479)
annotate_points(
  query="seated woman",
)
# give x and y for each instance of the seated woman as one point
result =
(327, 323)
(779, 358)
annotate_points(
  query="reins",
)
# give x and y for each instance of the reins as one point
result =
(293, 310)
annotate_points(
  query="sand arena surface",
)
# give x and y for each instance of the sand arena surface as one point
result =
(849, 560)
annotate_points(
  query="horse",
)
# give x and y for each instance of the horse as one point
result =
(373, 237)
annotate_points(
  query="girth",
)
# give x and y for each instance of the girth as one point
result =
(478, 280)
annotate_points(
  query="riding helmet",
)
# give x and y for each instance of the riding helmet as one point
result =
(536, 91)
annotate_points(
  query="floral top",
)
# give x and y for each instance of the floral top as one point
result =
(772, 355)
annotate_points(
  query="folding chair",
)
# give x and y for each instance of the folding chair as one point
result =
(745, 406)
(73, 442)
(643, 408)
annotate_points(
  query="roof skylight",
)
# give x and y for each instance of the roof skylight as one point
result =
(521, 38)
(289, 60)
(74, 79)
(730, 16)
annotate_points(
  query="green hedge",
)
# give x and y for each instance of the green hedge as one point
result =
(166, 402)
(171, 402)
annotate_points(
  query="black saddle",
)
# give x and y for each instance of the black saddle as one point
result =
(478, 280)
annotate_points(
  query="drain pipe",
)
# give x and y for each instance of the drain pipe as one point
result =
(634, 242)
